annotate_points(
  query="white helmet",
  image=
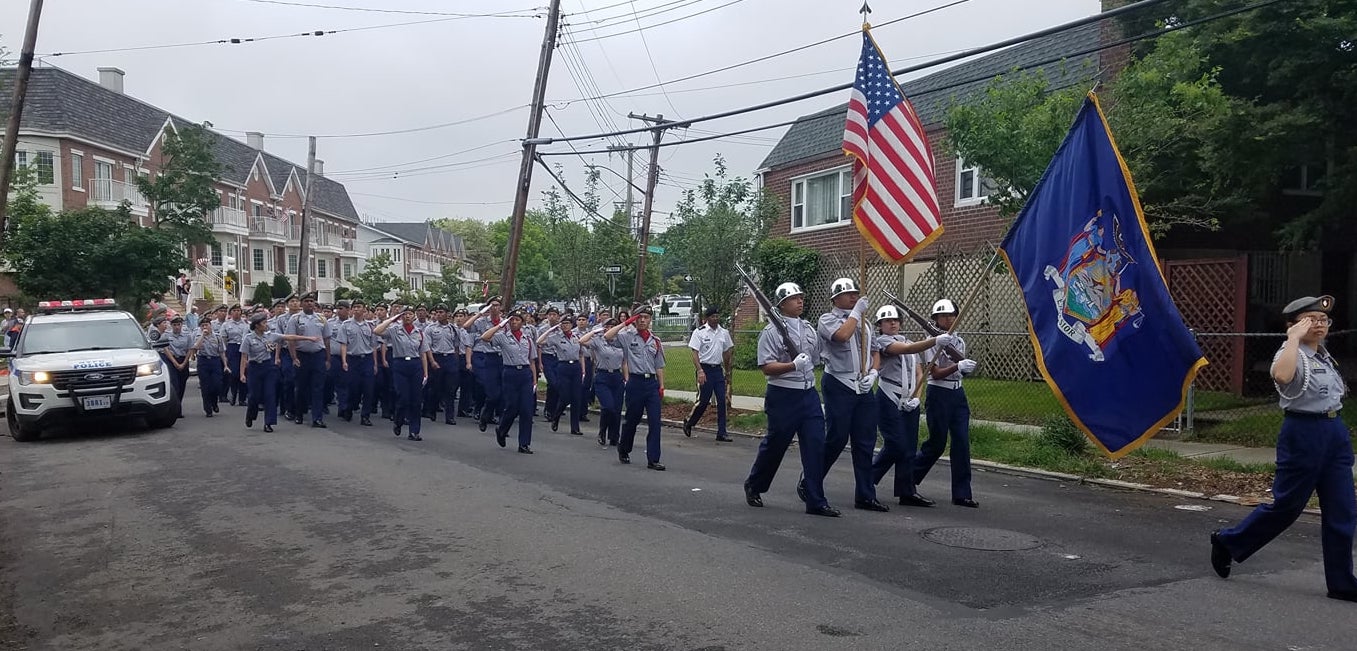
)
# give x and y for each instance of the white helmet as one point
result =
(887, 312)
(944, 306)
(842, 286)
(786, 291)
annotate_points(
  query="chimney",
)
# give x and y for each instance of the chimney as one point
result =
(112, 79)
(255, 140)
(320, 167)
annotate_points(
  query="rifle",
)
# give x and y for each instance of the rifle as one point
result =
(928, 326)
(773, 314)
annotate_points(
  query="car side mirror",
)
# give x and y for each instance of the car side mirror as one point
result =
(160, 343)
(7, 353)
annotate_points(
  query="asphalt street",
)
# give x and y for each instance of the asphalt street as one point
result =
(211, 536)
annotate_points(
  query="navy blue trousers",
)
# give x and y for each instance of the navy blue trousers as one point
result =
(489, 369)
(608, 388)
(310, 385)
(179, 377)
(286, 386)
(210, 381)
(384, 388)
(362, 383)
(948, 414)
(467, 386)
(588, 382)
(792, 413)
(900, 432)
(443, 381)
(1313, 454)
(714, 386)
(262, 390)
(336, 383)
(569, 393)
(518, 385)
(643, 398)
(553, 399)
(850, 421)
(407, 376)
(233, 390)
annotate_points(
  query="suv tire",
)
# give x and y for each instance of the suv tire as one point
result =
(19, 431)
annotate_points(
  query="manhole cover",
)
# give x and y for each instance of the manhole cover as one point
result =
(990, 540)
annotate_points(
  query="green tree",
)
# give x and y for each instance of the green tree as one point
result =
(183, 189)
(375, 282)
(784, 261)
(446, 289)
(573, 263)
(282, 286)
(722, 221)
(103, 252)
(263, 294)
(480, 246)
(535, 278)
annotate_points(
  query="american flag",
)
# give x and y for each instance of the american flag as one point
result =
(895, 201)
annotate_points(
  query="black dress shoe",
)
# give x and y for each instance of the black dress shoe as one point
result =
(209, 414)
(654, 465)
(216, 409)
(584, 418)
(687, 428)
(555, 424)
(1343, 595)
(450, 422)
(396, 429)
(249, 423)
(297, 421)
(577, 433)
(268, 428)
(801, 490)
(481, 425)
(602, 441)
(415, 437)
(751, 498)
(825, 511)
(523, 449)
(502, 438)
(624, 458)
(366, 422)
(1221, 559)
(916, 500)
(318, 424)
(724, 439)
(966, 502)
(873, 505)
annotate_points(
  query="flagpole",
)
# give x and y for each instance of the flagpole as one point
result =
(864, 331)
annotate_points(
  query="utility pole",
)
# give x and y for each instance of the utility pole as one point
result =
(16, 108)
(539, 92)
(303, 256)
(631, 203)
(652, 178)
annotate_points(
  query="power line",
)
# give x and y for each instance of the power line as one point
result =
(499, 14)
(591, 212)
(423, 160)
(393, 132)
(667, 22)
(628, 15)
(433, 169)
(1069, 55)
(653, 68)
(432, 203)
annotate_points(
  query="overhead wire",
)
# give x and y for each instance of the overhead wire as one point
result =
(653, 68)
(390, 132)
(659, 24)
(433, 203)
(422, 160)
(498, 14)
(628, 15)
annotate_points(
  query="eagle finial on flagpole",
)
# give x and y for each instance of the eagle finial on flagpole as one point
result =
(866, 9)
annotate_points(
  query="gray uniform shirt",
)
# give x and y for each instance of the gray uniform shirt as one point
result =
(516, 351)
(210, 345)
(565, 349)
(357, 335)
(466, 341)
(897, 371)
(152, 333)
(843, 359)
(478, 328)
(260, 348)
(954, 380)
(606, 357)
(771, 349)
(308, 325)
(405, 344)
(643, 355)
(1316, 387)
(179, 343)
(234, 331)
(443, 339)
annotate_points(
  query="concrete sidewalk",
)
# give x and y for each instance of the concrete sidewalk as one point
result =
(1186, 449)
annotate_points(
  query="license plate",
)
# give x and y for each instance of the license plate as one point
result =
(97, 402)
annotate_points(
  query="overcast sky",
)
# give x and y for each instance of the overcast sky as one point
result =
(458, 69)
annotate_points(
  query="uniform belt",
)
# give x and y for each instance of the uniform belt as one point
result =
(408, 359)
(1315, 415)
(945, 384)
(645, 376)
(516, 366)
(360, 355)
(712, 366)
(568, 361)
(443, 354)
(608, 370)
(551, 355)
(792, 384)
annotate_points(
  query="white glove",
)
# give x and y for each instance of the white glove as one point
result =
(861, 308)
(865, 384)
(967, 366)
(910, 405)
(944, 339)
(803, 363)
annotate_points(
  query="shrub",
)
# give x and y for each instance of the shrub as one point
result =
(282, 287)
(1059, 433)
(263, 294)
(747, 348)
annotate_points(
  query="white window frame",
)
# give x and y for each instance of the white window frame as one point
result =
(1307, 186)
(321, 268)
(843, 192)
(77, 170)
(292, 264)
(962, 168)
(37, 169)
(258, 260)
(214, 253)
(348, 270)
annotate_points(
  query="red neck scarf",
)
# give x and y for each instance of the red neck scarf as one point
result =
(518, 334)
(409, 328)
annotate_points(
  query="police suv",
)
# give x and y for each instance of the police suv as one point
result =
(84, 360)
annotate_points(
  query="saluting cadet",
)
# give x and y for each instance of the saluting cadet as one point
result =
(177, 352)
(644, 356)
(210, 351)
(260, 358)
(287, 372)
(712, 352)
(548, 365)
(519, 355)
(581, 327)
(466, 384)
(233, 332)
(445, 365)
(791, 404)
(569, 372)
(311, 359)
(358, 349)
(409, 368)
(385, 389)
(336, 380)
(850, 407)
(897, 403)
(1314, 453)
(946, 409)
(485, 361)
(609, 378)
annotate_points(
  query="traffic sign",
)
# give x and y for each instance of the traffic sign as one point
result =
(658, 250)
(612, 269)
(688, 279)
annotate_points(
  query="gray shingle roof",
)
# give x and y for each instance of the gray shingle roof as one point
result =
(63, 102)
(423, 233)
(820, 134)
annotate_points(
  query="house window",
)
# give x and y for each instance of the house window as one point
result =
(291, 263)
(972, 186)
(397, 255)
(44, 166)
(236, 201)
(258, 210)
(216, 254)
(1305, 181)
(320, 268)
(257, 259)
(348, 270)
(823, 199)
(21, 158)
(77, 171)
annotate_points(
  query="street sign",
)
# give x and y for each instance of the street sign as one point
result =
(687, 279)
(657, 250)
(612, 269)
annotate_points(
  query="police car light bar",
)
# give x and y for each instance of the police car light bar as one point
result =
(79, 303)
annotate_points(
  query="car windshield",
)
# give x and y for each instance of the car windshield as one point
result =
(115, 332)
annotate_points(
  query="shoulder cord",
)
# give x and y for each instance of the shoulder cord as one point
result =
(1304, 364)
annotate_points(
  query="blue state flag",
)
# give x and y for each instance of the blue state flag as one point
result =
(1108, 339)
